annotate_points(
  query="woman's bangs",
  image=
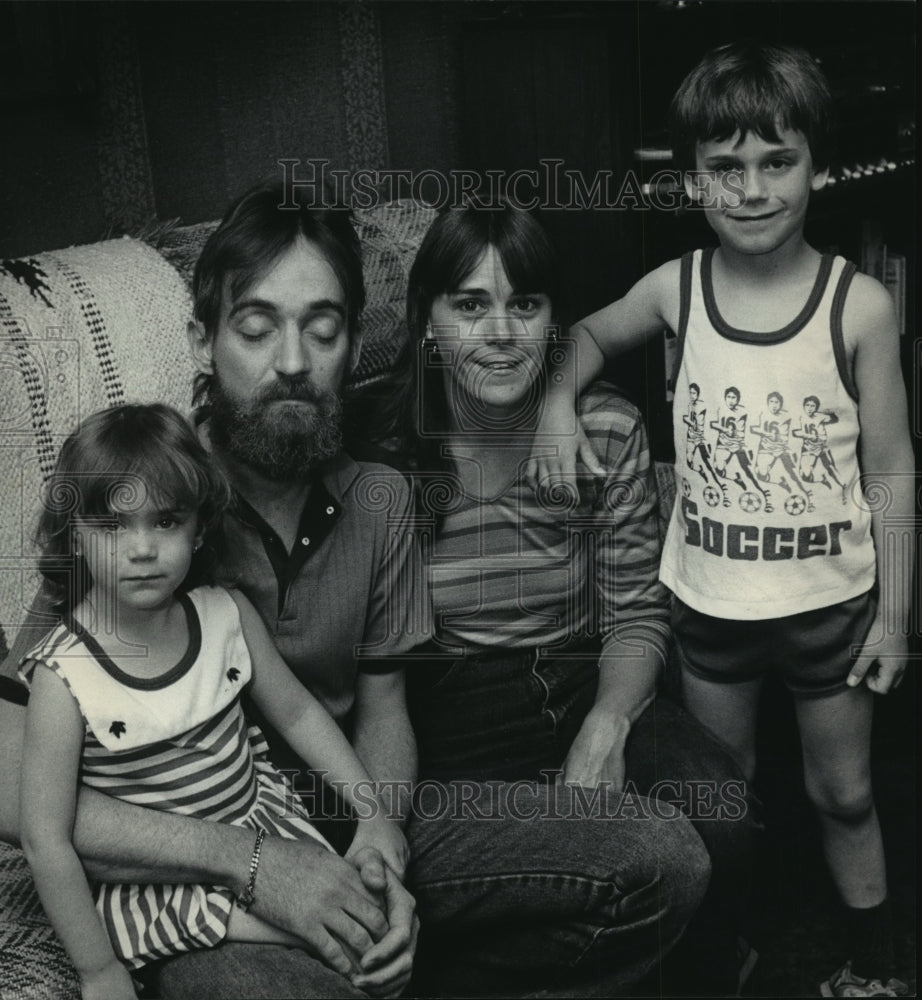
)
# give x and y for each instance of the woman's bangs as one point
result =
(527, 269)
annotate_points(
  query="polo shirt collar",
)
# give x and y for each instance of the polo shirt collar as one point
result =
(319, 516)
(338, 475)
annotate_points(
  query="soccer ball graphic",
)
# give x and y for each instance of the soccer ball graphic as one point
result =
(750, 502)
(795, 504)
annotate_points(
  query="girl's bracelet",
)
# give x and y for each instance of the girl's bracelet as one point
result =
(246, 898)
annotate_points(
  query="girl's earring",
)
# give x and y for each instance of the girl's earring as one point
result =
(430, 337)
(197, 545)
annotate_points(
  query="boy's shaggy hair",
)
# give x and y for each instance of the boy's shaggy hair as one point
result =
(752, 86)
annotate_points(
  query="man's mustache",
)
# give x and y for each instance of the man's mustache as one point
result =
(294, 387)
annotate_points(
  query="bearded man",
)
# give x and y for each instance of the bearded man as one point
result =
(508, 906)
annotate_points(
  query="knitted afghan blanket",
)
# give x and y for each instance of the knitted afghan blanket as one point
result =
(80, 329)
(33, 963)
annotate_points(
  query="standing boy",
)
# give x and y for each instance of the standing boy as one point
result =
(794, 587)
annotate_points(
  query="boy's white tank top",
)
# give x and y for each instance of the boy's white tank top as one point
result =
(770, 517)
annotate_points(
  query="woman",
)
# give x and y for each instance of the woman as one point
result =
(551, 625)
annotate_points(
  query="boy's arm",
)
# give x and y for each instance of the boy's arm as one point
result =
(870, 330)
(651, 305)
(53, 741)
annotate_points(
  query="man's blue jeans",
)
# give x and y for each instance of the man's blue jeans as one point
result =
(519, 891)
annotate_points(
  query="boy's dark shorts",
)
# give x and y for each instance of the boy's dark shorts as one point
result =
(812, 650)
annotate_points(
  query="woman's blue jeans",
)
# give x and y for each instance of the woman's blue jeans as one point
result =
(506, 715)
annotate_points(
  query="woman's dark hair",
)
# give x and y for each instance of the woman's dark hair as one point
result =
(752, 86)
(256, 229)
(451, 250)
(118, 458)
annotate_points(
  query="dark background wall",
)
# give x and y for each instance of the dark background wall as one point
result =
(196, 100)
(116, 115)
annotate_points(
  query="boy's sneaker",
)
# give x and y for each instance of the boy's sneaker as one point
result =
(845, 983)
(747, 957)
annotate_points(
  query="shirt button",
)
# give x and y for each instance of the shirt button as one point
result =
(329, 510)
(305, 540)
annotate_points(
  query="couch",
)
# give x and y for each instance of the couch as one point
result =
(87, 327)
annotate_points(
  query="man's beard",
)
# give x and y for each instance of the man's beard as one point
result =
(283, 443)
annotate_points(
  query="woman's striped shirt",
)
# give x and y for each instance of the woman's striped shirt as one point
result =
(538, 568)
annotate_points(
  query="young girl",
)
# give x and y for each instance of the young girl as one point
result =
(137, 693)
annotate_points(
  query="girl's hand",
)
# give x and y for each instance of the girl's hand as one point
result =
(112, 982)
(387, 838)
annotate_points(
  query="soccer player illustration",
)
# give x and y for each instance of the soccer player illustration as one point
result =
(812, 431)
(774, 433)
(731, 447)
(697, 452)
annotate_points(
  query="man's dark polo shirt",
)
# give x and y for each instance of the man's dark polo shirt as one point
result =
(352, 589)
